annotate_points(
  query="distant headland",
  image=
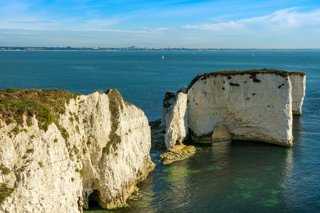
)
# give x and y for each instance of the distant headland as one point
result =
(134, 48)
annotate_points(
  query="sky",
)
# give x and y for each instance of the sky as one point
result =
(161, 23)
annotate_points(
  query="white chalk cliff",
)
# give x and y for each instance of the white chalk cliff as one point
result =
(255, 105)
(99, 144)
(175, 105)
(298, 81)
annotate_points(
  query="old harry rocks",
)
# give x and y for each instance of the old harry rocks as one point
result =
(254, 105)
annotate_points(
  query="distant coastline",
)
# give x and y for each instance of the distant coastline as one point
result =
(133, 48)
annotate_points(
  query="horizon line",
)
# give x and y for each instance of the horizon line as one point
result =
(143, 48)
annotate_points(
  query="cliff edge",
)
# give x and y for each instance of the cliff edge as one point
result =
(59, 150)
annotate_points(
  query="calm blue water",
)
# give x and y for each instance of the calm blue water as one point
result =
(237, 177)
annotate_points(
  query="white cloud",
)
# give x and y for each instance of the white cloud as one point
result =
(43, 23)
(161, 29)
(279, 21)
(231, 25)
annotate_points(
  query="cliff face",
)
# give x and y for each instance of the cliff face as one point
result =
(175, 118)
(248, 108)
(298, 82)
(235, 105)
(95, 145)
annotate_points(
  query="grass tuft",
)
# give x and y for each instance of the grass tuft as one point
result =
(4, 170)
(46, 105)
(40, 164)
(5, 192)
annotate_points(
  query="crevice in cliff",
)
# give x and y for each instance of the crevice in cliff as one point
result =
(168, 100)
(115, 107)
(234, 84)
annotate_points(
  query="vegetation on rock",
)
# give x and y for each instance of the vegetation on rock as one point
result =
(115, 107)
(45, 105)
(177, 153)
(4, 170)
(252, 72)
(5, 192)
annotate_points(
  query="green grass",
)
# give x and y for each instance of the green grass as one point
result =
(46, 105)
(40, 164)
(4, 170)
(80, 171)
(30, 151)
(5, 192)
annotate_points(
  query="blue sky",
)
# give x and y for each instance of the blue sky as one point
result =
(162, 23)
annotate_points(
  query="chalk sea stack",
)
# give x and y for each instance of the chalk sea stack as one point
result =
(58, 150)
(298, 82)
(253, 105)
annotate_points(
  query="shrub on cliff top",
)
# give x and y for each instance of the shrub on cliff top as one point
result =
(46, 105)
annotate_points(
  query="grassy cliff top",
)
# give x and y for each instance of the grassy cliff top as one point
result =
(46, 105)
(244, 72)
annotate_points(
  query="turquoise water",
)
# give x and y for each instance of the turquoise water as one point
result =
(236, 177)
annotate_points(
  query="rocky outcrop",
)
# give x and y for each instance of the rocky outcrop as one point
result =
(175, 120)
(177, 153)
(249, 106)
(175, 107)
(253, 105)
(59, 149)
(298, 81)
(171, 154)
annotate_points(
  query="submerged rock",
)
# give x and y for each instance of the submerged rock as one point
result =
(254, 105)
(169, 154)
(177, 153)
(58, 148)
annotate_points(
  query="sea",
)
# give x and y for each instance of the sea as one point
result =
(235, 177)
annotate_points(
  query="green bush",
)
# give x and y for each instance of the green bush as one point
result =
(46, 105)
(5, 192)
(4, 170)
